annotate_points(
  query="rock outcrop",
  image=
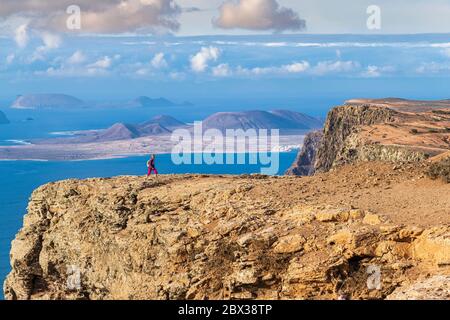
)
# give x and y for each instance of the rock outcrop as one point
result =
(207, 237)
(340, 124)
(434, 288)
(391, 130)
(304, 163)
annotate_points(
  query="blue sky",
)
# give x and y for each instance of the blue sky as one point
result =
(268, 51)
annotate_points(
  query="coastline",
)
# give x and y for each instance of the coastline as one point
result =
(125, 148)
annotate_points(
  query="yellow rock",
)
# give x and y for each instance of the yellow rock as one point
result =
(356, 214)
(433, 246)
(343, 237)
(289, 244)
(332, 215)
(372, 219)
(392, 250)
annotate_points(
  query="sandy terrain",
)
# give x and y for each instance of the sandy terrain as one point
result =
(404, 194)
(403, 105)
(422, 126)
(121, 148)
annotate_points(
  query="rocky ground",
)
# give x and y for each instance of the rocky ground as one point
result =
(390, 130)
(365, 231)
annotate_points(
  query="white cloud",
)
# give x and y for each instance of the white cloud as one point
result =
(21, 36)
(159, 61)
(285, 69)
(75, 67)
(433, 68)
(106, 16)
(297, 67)
(446, 52)
(179, 76)
(376, 71)
(222, 70)
(199, 62)
(258, 15)
(372, 72)
(50, 42)
(325, 67)
(69, 72)
(77, 58)
(303, 67)
(103, 63)
(10, 58)
(275, 44)
(142, 72)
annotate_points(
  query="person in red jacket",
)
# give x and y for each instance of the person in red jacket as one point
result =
(151, 166)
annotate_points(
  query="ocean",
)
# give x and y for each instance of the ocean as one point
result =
(20, 178)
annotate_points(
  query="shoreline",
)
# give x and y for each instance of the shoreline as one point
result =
(129, 148)
(126, 157)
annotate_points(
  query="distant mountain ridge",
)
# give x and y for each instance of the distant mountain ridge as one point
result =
(3, 118)
(146, 102)
(276, 119)
(164, 121)
(46, 101)
(63, 101)
(284, 120)
(122, 131)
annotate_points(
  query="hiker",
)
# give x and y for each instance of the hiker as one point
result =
(151, 166)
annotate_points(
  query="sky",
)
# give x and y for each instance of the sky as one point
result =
(245, 51)
(208, 17)
(331, 17)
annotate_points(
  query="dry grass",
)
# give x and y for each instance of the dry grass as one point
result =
(440, 169)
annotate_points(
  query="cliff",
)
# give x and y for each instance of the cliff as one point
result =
(304, 163)
(340, 124)
(225, 237)
(391, 130)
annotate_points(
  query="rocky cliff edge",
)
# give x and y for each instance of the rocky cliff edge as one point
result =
(360, 232)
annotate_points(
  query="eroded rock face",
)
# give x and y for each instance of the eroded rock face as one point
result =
(200, 237)
(394, 131)
(342, 122)
(434, 288)
(304, 163)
